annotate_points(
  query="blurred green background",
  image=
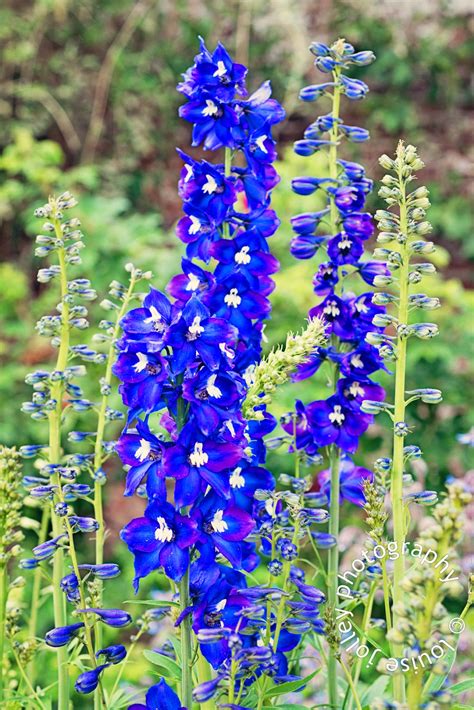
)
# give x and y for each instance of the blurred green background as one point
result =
(88, 103)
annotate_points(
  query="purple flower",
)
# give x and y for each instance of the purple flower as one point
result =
(197, 462)
(213, 121)
(359, 225)
(215, 73)
(196, 332)
(349, 199)
(344, 249)
(354, 391)
(334, 422)
(143, 452)
(223, 526)
(161, 538)
(352, 479)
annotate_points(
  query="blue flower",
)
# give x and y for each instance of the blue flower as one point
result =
(333, 421)
(143, 452)
(196, 462)
(223, 526)
(161, 538)
(112, 654)
(159, 697)
(87, 682)
(215, 73)
(197, 332)
(352, 479)
(61, 635)
(111, 617)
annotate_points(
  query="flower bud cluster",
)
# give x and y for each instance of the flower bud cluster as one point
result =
(11, 503)
(423, 619)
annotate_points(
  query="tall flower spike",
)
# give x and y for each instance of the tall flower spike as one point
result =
(188, 355)
(402, 228)
(339, 230)
(55, 393)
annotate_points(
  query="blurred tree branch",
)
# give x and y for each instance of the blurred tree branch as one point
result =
(104, 78)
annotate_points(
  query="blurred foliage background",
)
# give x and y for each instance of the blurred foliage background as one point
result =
(88, 103)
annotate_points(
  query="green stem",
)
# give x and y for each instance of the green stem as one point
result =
(57, 392)
(399, 526)
(351, 684)
(333, 553)
(124, 663)
(27, 681)
(98, 460)
(186, 645)
(35, 594)
(204, 675)
(333, 567)
(365, 631)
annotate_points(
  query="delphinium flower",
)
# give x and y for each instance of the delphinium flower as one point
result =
(338, 231)
(185, 363)
(403, 226)
(65, 479)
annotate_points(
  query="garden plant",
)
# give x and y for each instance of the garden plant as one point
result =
(235, 585)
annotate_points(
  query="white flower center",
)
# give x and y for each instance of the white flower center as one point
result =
(195, 225)
(210, 185)
(142, 362)
(211, 108)
(249, 374)
(237, 480)
(193, 283)
(195, 329)
(356, 390)
(221, 70)
(356, 361)
(242, 256)
(261, 143)
(143, 450)
(345, 243)
(155, 316)
(233, 299)
(336, 415)
(332, 309)
(361, 307)
(270, 506)
(217, 524)
(189, 172)
(163, 533)
(230, 427)
(198, 457)
(226, 351)
(212, 389)
(221, 605)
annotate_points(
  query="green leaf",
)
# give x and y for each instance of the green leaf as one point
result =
(437, 681)
(167, 664)
(376, 690)
(285, 706)
(462, 686)
(291, 686)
